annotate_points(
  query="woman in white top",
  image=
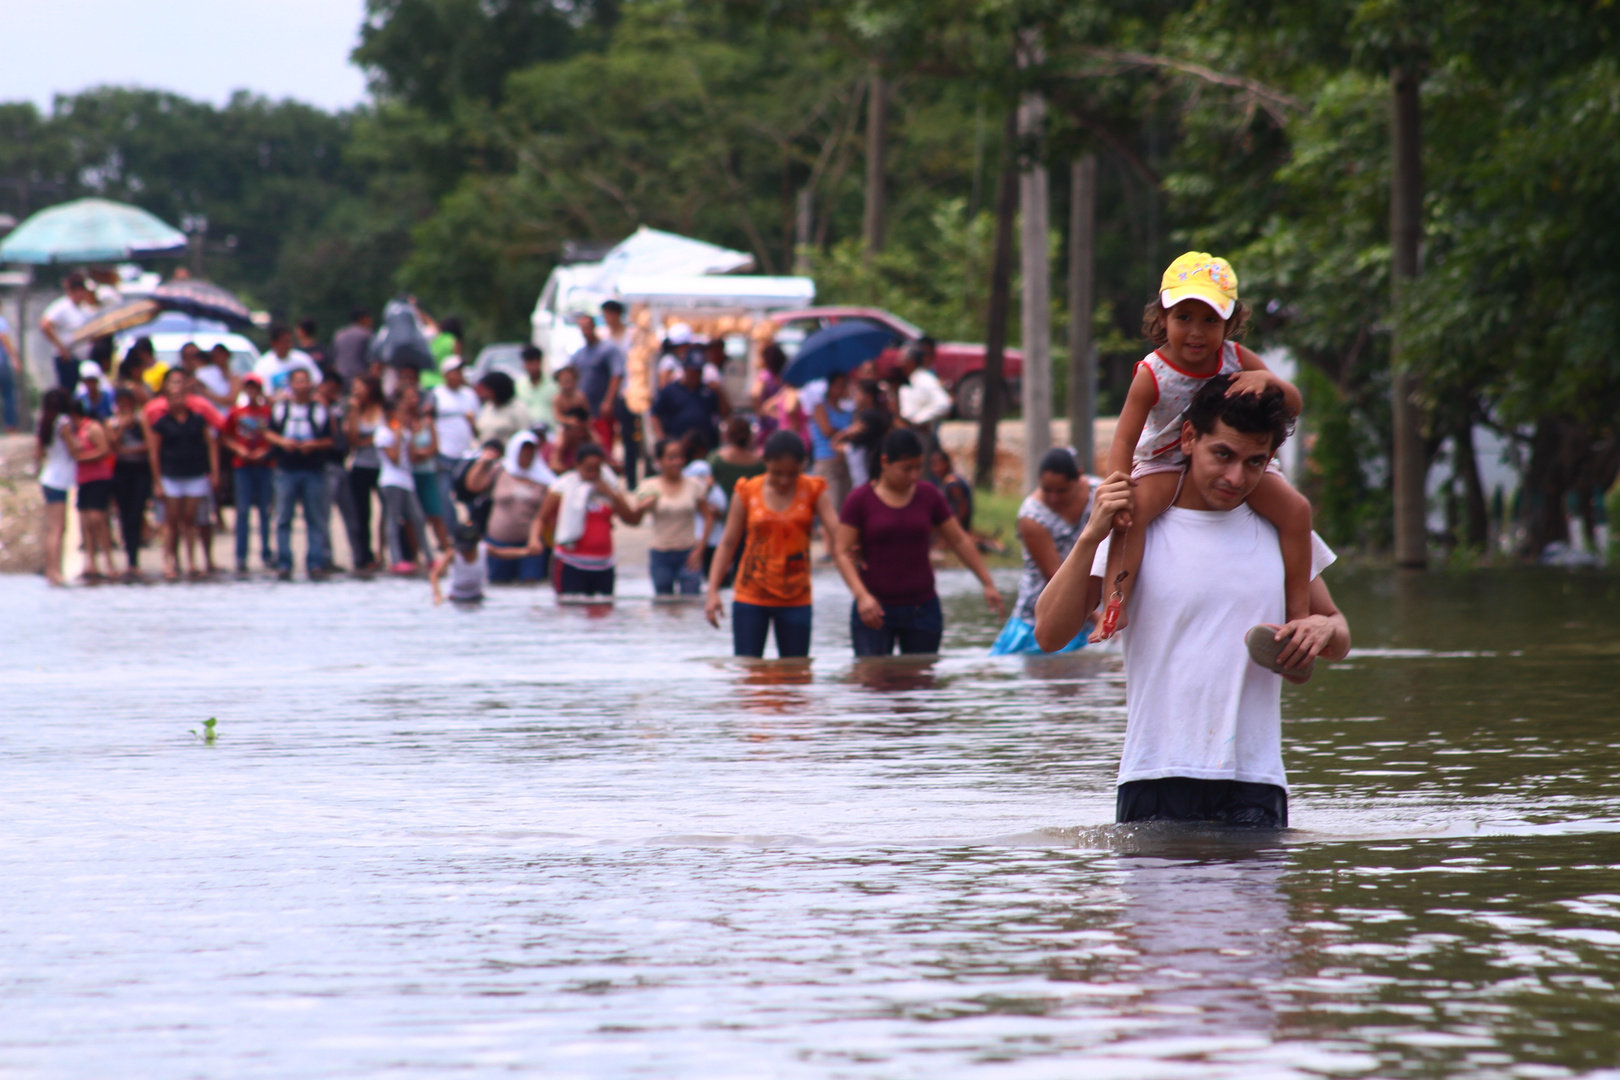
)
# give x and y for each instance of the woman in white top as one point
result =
(56, 454)
(1049, 523)
(397, 484)
(676, 501)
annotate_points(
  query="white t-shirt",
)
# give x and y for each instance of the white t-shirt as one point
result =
(469, 579)
(1196, 705)
(215, 380)
(393, 475)
(924, 398)
(61, 468)
(275, 371)
(66, 317)
(451, 408)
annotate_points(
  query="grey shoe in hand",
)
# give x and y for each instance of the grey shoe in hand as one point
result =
(1264, 650)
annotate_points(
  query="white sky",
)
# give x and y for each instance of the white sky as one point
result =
(203, 49)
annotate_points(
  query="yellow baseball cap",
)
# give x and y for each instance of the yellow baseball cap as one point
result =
(1199, 275)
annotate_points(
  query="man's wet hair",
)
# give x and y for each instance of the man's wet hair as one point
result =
(1265, 413)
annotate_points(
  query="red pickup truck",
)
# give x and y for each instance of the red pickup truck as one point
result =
(959, 366)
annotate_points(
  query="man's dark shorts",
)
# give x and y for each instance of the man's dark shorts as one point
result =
(1221, 802)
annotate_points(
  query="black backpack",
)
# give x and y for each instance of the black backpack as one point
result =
(400, 342)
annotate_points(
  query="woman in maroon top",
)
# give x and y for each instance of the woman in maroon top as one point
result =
(884, 534)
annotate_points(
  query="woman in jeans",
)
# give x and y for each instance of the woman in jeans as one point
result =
(517, 487)
(775, 512)
(675, 501)
(367, 413)
(882, 543)
(55, 450)
(132, 475)
(398, 487)
(185, 459)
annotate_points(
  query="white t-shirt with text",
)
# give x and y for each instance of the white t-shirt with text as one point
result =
(1196, 705)
(274, 371)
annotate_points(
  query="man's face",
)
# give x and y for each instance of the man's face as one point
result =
(190, 357)
(1224, 466)
(282, 345)
(531, 367)
(613, 318)
(454, 378)
(587, 326)
(81, 296)
(298, 382)
(575, 430)
(692, 376)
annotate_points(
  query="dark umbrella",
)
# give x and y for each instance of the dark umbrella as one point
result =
(203, 300)
(841, 347)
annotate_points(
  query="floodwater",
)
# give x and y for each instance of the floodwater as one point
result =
(527, 839)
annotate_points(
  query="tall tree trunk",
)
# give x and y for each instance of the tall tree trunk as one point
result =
(1036, 308)
(877, 149)
(1546, 483)
(1476, 518)
(1082, 302)
(1409, 471)
(995, 330)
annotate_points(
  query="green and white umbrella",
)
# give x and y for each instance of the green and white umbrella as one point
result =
(90, 231)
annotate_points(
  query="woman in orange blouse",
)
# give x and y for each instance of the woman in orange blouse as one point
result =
(776, 511)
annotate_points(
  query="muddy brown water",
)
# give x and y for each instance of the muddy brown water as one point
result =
(582, 842)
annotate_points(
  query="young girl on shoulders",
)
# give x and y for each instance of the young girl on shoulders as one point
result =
(1195, 321)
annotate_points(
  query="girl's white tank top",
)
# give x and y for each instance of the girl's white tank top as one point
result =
(1161, 435)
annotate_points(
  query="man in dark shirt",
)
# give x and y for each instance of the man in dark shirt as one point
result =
(686, 404)
(351, 347)
(601, 370)
(301, 433)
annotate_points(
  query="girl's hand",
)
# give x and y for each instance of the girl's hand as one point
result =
(713, 608)
(1249, 382)
(871, 611)
(694, 561)
(992, 597)
(1110, 506)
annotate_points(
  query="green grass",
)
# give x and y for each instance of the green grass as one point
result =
(997, 515)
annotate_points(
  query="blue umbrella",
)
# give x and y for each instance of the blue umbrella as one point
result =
(840, 347)
(90, 230)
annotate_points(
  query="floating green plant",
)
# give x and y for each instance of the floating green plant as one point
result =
(207, 733)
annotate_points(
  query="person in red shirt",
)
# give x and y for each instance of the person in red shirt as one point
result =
(244, 437)
(158, 407)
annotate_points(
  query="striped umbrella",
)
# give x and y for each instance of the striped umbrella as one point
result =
(90, 230)
(122, 317)
(204, 300)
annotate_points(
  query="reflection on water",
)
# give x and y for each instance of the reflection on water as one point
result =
(584, 841)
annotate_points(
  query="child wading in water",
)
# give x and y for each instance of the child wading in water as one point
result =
(1195, 321)
(468, 564)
